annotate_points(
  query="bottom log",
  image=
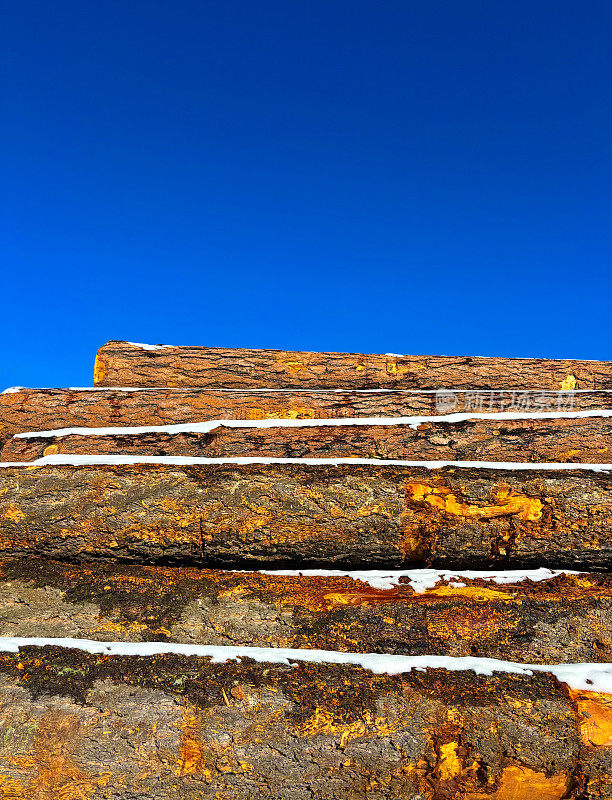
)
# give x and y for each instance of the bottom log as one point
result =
(78, 726)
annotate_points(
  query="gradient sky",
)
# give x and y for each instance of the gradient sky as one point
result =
(413, 177)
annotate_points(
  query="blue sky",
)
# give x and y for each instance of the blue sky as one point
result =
(392, 176)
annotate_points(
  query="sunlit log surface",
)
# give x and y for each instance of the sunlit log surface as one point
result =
(300, 513)
(44, 409)
(125, 364)
(580, 440)
(88, 726)
(566, 618)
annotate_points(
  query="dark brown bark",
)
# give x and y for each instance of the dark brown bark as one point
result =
(47, 409)
(124, 364)
(172, 727)
(578, 440)
(564, 619)
(282, 513)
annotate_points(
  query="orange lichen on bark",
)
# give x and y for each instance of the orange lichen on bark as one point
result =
(57, 775)
(569, 384)
(596, 711)
(522, 783)
(450, 764)
(11, 788)
(478, 593)
(191, 757)
(122, 629)
(281, 413)
(370, 595)
(505, 503)
(392, 368)
(472, 624)
(99, 371)
(12, 513)
(183, 515)
(291, 367)
(323, 721)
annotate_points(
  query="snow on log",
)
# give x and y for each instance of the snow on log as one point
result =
(128, 364)
(537, 617)
(355, 512)
(581, 437)
(86, 725)
(44, 409)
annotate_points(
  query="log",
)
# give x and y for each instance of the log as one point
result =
(127, 364)
(582, 440)
(24, 410)
(562, 618)
(317, 513)
(79, 725)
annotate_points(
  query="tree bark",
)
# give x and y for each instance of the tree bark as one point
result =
(118, 727)
(296, 513)
(25, 410)
(578, 440)
(567, 618)
(125, 364)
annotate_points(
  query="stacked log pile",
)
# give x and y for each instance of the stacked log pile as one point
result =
(260, 574)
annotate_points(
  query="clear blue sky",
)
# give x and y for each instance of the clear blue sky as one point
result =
(418, 177)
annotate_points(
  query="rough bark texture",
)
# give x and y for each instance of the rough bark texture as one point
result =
(47, 409)
(586, 441)
(306, 514)
(81, 727)
(124, 364)
(565, 619)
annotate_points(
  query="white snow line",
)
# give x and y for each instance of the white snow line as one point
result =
(585, 677)
(100, 460)
(205, 348)
(149, 346)
(420, 580)
(411, 422)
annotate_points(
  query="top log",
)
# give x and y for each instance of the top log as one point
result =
(127, 364)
